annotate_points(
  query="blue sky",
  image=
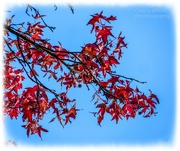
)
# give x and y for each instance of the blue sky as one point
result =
(150, 57)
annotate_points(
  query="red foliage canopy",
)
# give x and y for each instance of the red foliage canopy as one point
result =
(93, 65)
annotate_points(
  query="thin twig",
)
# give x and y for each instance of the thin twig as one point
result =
(37, 12)
(35, 81)
(131, 79)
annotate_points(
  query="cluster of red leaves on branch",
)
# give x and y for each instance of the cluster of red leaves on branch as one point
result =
(93, 65)
(120, 99)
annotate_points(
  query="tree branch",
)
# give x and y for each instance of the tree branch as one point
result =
(49, 51)
(131, 79)
(37, 12)
(35, 81)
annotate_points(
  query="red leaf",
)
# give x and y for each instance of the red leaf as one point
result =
(52, 103)
(93, 64)
(111, 18)
(43, 129)
(95, 19)
(14, 113)
(65, 111)
(52, 120)
(130, 110)
(102, 105)
(39, 129)
(33, 73)
(127, 117)
(28, 131)
(154, 96)
(143, 110)
(113, 80)
(104, 33)
(36, 36)
(45, 96)
(101, 112)
(120, 42)
(103, 84)
(151, 102)
(67, 119)
(100, 118)
(118, 50)
(113, 60)
(71, 114)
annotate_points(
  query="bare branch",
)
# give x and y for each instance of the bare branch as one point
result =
(131, 79)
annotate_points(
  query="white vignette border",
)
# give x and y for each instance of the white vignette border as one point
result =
(173, 4)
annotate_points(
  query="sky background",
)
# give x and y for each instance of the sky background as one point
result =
(150, 57)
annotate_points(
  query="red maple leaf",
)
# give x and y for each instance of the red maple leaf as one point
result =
(95, 19)
(104, 33)
(111, 18)
(39, 129)
(101, 112)
(71, 114)
(113, 60)
(120, 41)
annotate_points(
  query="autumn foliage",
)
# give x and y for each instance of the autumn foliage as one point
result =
(95, 65)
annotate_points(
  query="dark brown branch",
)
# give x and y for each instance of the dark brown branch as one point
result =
(24, 59)
(131, 79)
(49, 51)
(37, 12)
(35, 81)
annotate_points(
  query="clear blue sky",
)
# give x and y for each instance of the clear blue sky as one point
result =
(150, 57)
